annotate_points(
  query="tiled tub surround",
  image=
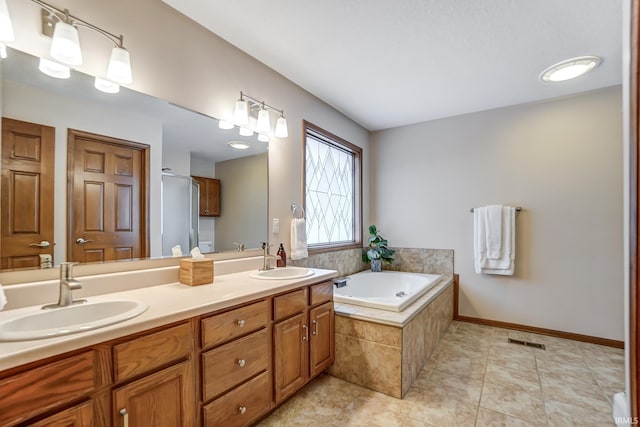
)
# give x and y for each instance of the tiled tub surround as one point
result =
(349, 261)
(384, 350)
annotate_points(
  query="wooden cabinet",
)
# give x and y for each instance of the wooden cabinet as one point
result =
(163, 399)
(78, 416)
(303, 344)
(209, 196)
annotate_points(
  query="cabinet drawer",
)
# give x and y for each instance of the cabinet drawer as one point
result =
(322, 292)
(241, 406)
(229, 365)
(147, 353)
(240, 321)
(289, 304)
(41, 389)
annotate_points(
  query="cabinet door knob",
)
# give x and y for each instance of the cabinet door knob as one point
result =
(242, 409)
(240, 323)
(315, 327)
(241, 362)
(125, 417)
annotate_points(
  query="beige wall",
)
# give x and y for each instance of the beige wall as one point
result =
(177, 60)
(561, 161)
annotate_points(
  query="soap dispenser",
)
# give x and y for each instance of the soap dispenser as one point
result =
(281, 257)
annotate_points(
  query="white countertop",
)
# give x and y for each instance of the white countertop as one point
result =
(167, 304)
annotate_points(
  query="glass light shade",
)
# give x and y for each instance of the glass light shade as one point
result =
(223, 124)
(281, 128)
(3, 51)
(6, 29)
(241, 113)
(119, 69)
(106, 86)
(239, 145)
(263, 138)
(53, 69)
(65, 44)
(245, 131)
(264, 124)
(570, 68)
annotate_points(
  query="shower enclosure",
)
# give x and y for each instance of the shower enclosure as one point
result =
(180, 212)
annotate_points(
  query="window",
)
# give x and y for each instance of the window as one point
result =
(332, 190)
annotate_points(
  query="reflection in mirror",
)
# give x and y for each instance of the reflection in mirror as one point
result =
(226, 205)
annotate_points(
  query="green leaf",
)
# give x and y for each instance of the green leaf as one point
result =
(373, 230)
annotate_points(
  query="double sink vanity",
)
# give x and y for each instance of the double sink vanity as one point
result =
(225, 353)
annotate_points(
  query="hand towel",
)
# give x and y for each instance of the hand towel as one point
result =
(493, 230)
(3, 298)
(505, 264)
(298, 239)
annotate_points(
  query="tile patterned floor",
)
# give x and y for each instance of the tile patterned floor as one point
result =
(476, 378)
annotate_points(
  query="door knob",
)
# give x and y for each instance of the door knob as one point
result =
(81, 241)
(43, 244)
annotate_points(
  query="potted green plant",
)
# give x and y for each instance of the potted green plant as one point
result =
(378, 250)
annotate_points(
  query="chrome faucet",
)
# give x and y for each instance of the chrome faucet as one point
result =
(67, 284)
(266, 257)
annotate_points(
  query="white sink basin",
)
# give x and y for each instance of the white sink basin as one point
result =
(283, 273)
(69, 320)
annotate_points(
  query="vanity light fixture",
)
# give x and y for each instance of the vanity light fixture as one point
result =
(247, 105)
(6, 28)
(238, 145)
(106, 86)
(223, 124)
(570, 68)
(65, 43)
(263, 138)
(54, 69)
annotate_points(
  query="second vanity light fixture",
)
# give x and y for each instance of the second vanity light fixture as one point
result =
(65, 48)
(246, 105)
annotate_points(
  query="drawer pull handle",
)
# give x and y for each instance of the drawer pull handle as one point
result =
(315, 327)
(305, 337)
(242, 409)
(240, 323)
(125, 417)
(241, 362)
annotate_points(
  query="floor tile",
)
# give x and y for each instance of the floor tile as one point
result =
(514, 401)
(439, 410)
(457, 387)
(489, 418)
(563, 414)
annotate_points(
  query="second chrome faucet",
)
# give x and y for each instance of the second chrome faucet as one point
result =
(67, 285)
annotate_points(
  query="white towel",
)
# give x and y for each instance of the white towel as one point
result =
(298, 239)
(505, 264)
(3, 298)
(493, 230)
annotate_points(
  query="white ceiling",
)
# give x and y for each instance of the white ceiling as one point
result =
(388, 63)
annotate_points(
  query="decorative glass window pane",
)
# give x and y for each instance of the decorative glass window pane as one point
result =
(330, 191)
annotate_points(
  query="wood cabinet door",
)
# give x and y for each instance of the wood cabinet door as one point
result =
(163, 399)
(291, 355)
(107, 198)
(27, 193)
(209, 196)
(322, 338)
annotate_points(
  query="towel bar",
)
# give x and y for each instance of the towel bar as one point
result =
(518, 209)
(295, 208)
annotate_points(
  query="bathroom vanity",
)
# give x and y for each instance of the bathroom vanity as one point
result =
(228, 354)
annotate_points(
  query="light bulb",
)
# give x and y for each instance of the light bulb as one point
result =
(119, 69)
(106, 86)
(264, 124)
(65, 44)
(281, 128)
(223, 124)
(245, 131)
(53, 69)
(263, 138)
(241, 112)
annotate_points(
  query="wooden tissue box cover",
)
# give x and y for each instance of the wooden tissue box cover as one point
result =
(195, 272)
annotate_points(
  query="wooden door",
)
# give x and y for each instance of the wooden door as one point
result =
(322, 339)
(291, 352)
(163, 399)
(107, 198)
(27, 193)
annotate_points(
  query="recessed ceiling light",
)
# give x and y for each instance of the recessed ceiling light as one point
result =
(570, 68)
(239, 145)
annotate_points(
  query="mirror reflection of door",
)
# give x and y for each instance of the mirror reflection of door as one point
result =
(26, 191)
(106, 198)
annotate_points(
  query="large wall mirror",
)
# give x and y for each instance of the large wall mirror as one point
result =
(60, 138)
